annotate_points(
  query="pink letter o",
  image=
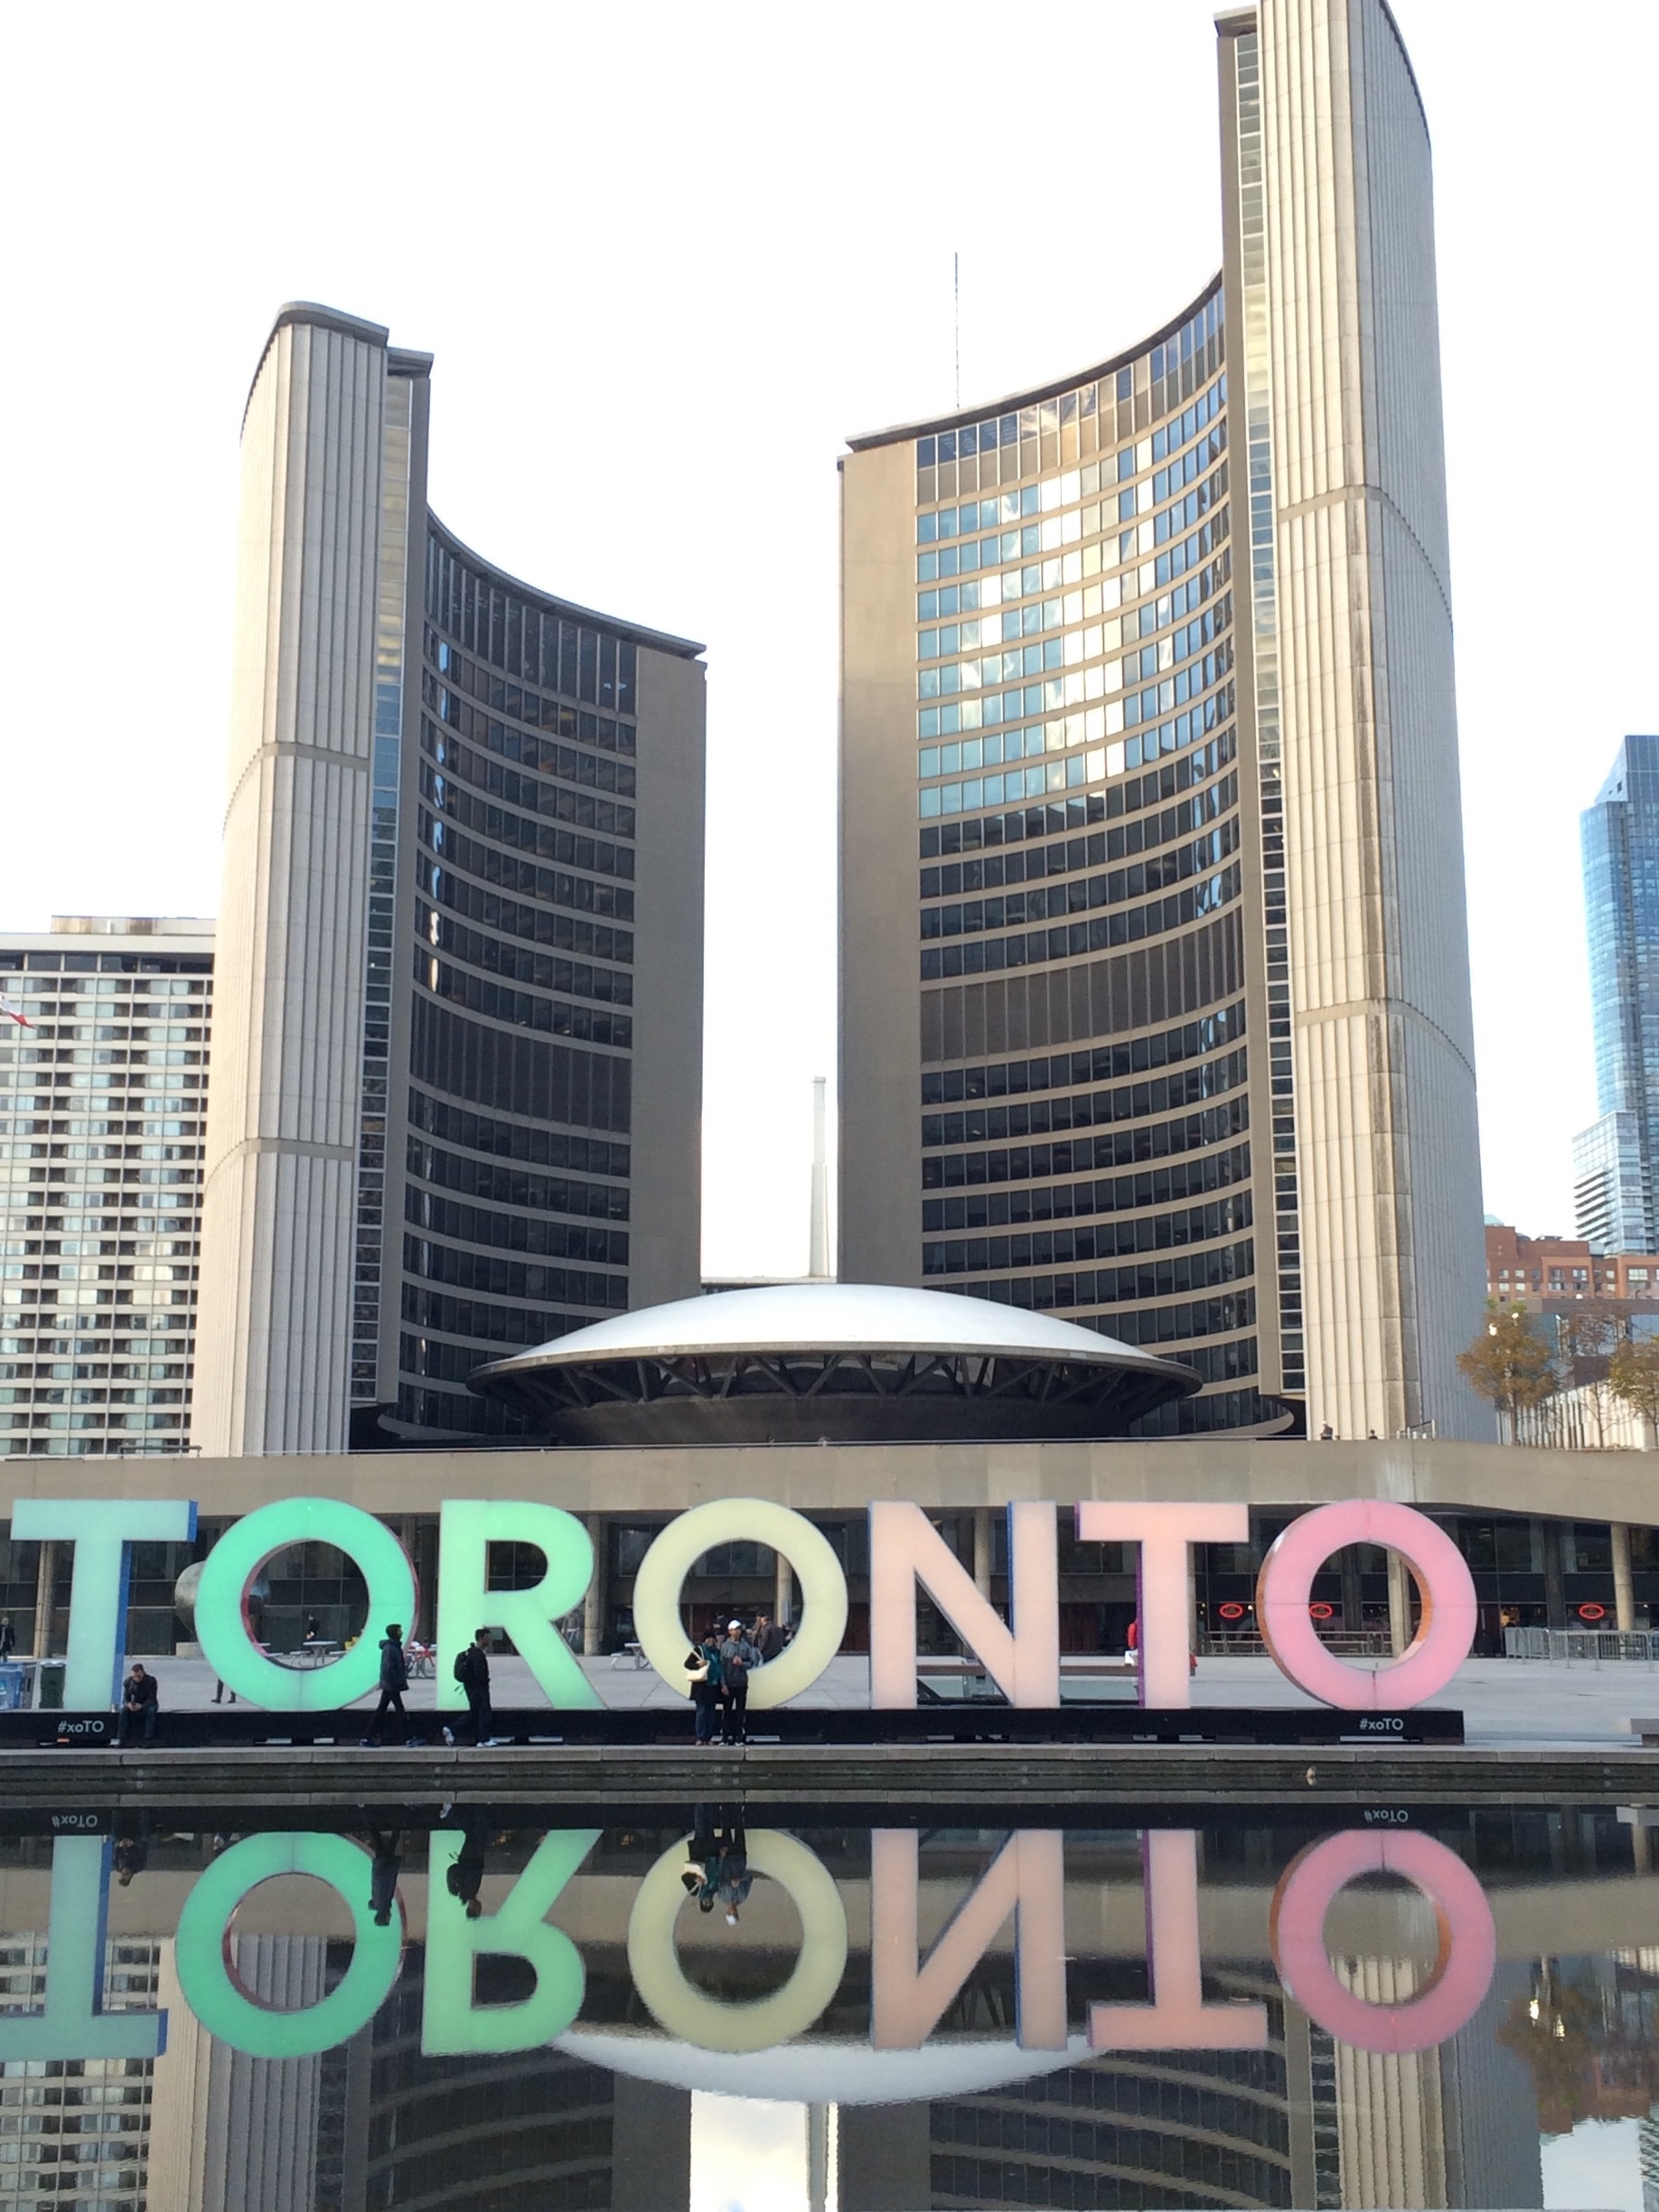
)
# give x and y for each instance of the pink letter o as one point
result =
(1466, 1953)
(1444, 1635)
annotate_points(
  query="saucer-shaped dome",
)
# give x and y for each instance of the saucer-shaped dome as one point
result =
(848, 1362)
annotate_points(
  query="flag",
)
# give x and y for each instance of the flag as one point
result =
(11, 1007)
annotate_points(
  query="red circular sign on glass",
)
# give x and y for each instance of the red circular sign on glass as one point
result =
(1321, 1611)
(1231, 1610)
(1592, 1612)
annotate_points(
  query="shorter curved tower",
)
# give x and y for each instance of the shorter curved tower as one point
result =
(455, 1105)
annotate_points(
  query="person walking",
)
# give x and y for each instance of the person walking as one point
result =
(737, 1655)
(472, 1673)
(769, 1638)
(383, 1874)
(702, 1665)
(8, 1638)
(140, 1704)
(394, 1681)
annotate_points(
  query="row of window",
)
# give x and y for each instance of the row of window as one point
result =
(1128, 925)
(541, 924)
(1030, 651)
(1080, 561)
(1073, 814)
(481, 1270)
(490, 688)
(484, 1323)
(1083, 894)
(460, 805)
(515, 1073)
(102, 1055)
(16, 1149)
(553, 1240)
(101, 1126)
(167, 971)
(460, 987)
(1142, 834)
(1048, 417)
(1142, 749)
(1106, 1240)
(54, 1172)
(517, 786)
(538, 1146)
(528, 640)
(1095, 1064)
(1119, 1149)
(454, 1363)
(546, 971)
(1217, 1316)
(1087, 1109)
(514, 1186)
(1068, 1201)
(496, 867)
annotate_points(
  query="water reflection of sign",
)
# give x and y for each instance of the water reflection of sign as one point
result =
(908, 1553)
(909, 1993)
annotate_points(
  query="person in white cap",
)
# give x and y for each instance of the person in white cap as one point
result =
(737, 1655)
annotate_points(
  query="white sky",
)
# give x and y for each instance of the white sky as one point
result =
(667, 259)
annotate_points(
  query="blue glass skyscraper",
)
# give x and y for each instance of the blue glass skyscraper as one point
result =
(1613, 1160)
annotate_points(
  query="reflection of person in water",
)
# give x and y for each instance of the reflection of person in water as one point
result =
(383, 1875)
(465, 1876)
(700, 1875)
(736, 1880)
(132, 1851)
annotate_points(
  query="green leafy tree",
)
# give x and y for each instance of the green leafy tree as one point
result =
(1509, 1364)
(1633, 1371)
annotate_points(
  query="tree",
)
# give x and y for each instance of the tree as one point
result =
(1633, 1373)
(1509, 1364)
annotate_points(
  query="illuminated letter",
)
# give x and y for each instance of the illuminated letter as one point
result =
(465, 1601)
(824, 1593)
(452, 2023)
(1163, 1533)
(905, 1548)
(1178, 2018)
(1027, 1878)
(223, 2003)
(1444, 1634)
(103, 1531)
(1466, 1954)
(686, 2012)
(232, 1569)
(73, 2024)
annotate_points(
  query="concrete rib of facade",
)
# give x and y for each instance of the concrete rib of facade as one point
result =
(1219, 732)
(445, 785)
(102, 1100)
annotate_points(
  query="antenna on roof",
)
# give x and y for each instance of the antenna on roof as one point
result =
(817, 1246)
(956, 297)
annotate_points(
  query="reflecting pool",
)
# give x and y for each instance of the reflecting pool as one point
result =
(703, 2008)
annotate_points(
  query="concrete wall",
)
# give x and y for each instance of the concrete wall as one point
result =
(666, 1140)
(1387, 1149)
(273, 1335)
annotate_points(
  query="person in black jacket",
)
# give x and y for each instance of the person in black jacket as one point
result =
(394, 1681)
(140, 1704)
(472, 1673)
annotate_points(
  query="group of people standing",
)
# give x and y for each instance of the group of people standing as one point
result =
(719, 1671)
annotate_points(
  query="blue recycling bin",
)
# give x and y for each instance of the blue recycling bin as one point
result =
(11, 1686)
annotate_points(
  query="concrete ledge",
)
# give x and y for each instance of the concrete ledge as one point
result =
(968, 1774)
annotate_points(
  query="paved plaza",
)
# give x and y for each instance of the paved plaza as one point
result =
(1529, 1705)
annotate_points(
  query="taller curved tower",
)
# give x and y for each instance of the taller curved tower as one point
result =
(1155, 976)
(456, 1103)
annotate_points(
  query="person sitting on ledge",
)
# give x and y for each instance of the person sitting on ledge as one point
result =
(140, 1704)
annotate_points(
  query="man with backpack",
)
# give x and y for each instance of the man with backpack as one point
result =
(472, 1673)
(737, 1655)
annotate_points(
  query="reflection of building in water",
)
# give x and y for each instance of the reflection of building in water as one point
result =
(78, 2131)
(259, 2134)
(514, 2132)
(1453, 2125)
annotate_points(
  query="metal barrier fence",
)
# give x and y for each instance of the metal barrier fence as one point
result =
(1599, 1646)
(1246, 1643)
